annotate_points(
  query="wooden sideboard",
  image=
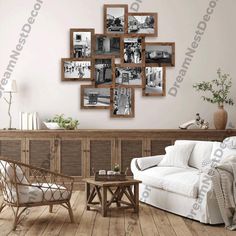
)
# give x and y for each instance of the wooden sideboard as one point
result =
(75, 153)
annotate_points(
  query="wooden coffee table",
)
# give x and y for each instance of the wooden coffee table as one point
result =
(117, 189)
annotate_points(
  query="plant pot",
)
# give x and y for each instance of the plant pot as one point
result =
(220, 118)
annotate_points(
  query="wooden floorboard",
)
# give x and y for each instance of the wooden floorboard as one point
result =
(150, 221)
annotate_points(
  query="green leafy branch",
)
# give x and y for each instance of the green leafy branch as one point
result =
(219, 89)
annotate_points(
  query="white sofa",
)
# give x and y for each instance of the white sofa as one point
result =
(184, 191)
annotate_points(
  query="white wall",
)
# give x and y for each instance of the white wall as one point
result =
(38, 69)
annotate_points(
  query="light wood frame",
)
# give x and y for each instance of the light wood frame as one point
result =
(125, 85)
(154, 15)
(83, 87)
(132, 114)
(112, 58)
(171, 44)
(116, 55)
(142, 50)
(63, 60)
(72, 31)
(163, 88)
(125, 6)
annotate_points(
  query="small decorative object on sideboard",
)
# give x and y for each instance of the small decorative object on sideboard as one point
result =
(110, 175)
(219, 89)
(59, 122)
(197, 123)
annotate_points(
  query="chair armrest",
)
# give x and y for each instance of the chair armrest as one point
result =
(143, 163)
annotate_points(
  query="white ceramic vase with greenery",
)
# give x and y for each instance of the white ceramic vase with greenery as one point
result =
(219, 89)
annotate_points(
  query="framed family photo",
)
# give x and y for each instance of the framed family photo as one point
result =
(161, 54)
(128, 76)
(107, 45)
(133, 50)
(155, 81)
(103, 71)
(145, 24)
(115, 18)
(95, 98)
(81, 43)
(73, 69)
(122, 102)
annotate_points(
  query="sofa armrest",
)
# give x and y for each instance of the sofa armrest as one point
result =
(143, 163)
(205, 185)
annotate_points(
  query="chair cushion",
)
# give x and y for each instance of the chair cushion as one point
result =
(200, 154)
(41, 193)
(177, 155)
(7, 171)
(172, 179)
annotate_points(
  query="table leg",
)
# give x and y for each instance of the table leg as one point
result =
(87, 195)
(136, 197)
(104, 201)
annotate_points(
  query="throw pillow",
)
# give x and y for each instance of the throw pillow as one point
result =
(177, 155)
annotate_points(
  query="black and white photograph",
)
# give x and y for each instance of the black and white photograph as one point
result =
(107, 45)
(155, 81)
(128, 76)
(76, 69)
(95, 98)
(132, 49)
(103, 74)
(122, 102)
(81, 42)
(142, 23)
(162, 54)
(115, 19)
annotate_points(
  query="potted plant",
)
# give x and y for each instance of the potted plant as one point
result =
(59, 122)
(117, 168)
(219, 89)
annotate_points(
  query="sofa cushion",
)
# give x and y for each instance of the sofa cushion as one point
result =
(172, 179)
(230, 142)
(200, 154)
(220, 152)
(177, 155)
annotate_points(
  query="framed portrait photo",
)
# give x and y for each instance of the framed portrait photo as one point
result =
(155, 81)
(122, 102)
(95, 98)
(145, 24)
(73, 69)
(81, 43)
(128, 76)
(133, 50)
(107, 45)
(161, 54)
(103, 71)
(115, 18)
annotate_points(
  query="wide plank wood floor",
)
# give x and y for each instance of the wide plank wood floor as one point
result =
(150, 221)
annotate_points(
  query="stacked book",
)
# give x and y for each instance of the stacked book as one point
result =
(29, 121)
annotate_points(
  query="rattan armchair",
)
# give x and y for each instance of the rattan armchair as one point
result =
(25, 186)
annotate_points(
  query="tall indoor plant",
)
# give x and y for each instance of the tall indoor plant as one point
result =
(219, 89)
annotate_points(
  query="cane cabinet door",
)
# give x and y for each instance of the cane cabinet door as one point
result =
(100, 155)
(12, 149)
(129, 148)
(71, 158)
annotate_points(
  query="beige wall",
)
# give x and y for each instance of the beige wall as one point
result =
(38, 69)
